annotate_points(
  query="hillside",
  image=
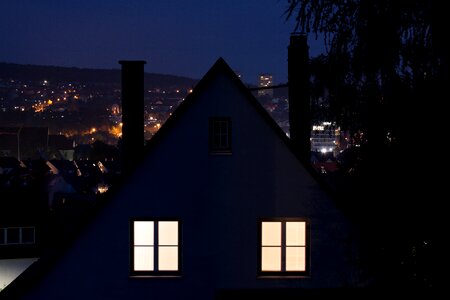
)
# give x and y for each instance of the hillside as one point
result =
(30, 73)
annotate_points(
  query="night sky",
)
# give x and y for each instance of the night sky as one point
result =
(179, 37)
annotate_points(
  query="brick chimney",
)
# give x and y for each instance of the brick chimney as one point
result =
(299, 99)
(132, 113)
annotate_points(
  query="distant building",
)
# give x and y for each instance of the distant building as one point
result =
(24, 142)
(265, 80)
(34, 143)
(324, 137)
(115, 109)
(61, 147)
(219, 208)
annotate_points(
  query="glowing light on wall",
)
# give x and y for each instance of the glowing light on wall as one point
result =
(271, 246)
(283, 246)
(143, 245)
(156, 252)
(295, 246)
(168, 246)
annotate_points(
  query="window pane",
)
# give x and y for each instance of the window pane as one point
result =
(295, 259)
(223, 127)
(143, 258)
(220, 135)
(224, 140)
(168, 233)
(295, 233)
(216, 141)
(168, 258)
(271, 259)
(143, 233)
(28, 235)
(12, 235)
(271, 233)
(216, 127)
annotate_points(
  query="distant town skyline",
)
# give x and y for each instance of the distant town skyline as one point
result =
(175, 37)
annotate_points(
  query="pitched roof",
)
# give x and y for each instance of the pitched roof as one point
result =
(220, 66)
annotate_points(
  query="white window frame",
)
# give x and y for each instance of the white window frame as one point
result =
(156, 247)
(283, 272)
(4, 236)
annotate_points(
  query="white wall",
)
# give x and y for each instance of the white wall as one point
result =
(11, 268)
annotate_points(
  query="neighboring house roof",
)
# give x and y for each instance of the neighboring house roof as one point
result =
(36, 165)
(88, 167)
(111, 167)
(18, 286)
(65, 167)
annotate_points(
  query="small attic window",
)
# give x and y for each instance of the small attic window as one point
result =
(220, 135)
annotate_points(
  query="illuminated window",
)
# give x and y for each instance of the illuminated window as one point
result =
(220, 135)
(155, 247)
(283, 249)
(17, 236)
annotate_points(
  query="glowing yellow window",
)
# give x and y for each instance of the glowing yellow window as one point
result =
(155, 247)
(283, 247)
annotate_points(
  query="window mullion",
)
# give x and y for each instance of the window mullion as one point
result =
(283, 246)
(164, 247)
(220, 134)
(156, 246)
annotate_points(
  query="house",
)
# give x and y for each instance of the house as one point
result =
(24, 142)
(20, 221)
(61, 147)
(8, 141)
(220, 206)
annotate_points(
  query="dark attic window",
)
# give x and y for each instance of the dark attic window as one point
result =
(220, 135)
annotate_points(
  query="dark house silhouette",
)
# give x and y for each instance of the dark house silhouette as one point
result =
(219, 207)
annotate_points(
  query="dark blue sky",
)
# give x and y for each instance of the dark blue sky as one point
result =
(180, 37)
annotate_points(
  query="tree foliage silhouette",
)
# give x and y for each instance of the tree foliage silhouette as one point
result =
(388, 46)
(385, 67)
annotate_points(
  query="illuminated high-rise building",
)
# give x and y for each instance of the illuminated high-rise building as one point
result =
(325, 137)
(265, 80)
